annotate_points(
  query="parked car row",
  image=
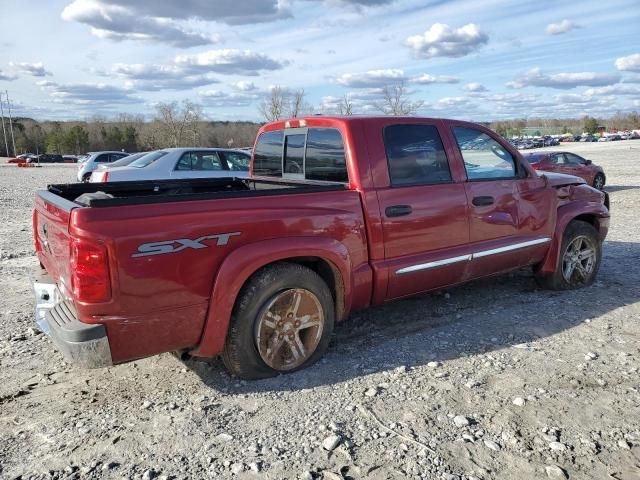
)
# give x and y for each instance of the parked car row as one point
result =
(43, 158)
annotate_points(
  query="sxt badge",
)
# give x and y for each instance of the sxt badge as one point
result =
(174, 246)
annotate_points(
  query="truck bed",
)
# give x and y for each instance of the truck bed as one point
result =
(112, 194)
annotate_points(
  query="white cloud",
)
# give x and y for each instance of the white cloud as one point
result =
(536, 78)
(559, 28)
(619, 89)
(33, 69)
(245, 86)
(7, 77)
(87, 93)
(474, 87)
(630, 63)
(218, 98)
(153, 77)
(426, 79)
(121, 22)
(443, 41)
(228, 61)
(371, 78)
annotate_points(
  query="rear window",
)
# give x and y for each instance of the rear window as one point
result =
(267, 158)
(415, 155)
(147, 159)
(316, 154)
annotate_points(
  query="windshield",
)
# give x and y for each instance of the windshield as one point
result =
(128, 160)
(83, 158)
(148, 159)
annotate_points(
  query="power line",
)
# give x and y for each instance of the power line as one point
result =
(4, 132)
(13, 140)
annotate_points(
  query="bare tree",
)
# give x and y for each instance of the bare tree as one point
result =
(274, 106)
(176, 120)
(296, 103)
(395, 101)
(345, 107)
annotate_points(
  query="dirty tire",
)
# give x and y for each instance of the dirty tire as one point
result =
(599, 181)
(241, 355)
(579, 234)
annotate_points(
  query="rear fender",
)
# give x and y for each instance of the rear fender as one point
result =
(245, 261)
(566, 214)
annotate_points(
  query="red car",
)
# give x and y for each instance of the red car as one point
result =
(570, 164)
(340, 213)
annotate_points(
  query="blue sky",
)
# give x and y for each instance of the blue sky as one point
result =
(478, 60)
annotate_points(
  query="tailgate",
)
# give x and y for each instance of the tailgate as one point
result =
(51, 231)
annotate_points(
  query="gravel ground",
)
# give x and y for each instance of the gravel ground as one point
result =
(493, 380)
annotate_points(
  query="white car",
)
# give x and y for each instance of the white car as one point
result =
(180, 163)
(91, 162)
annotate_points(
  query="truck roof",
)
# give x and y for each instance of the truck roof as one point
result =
(328, 120)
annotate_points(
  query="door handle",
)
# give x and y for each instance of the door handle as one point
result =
(482, 201)
(398, 210)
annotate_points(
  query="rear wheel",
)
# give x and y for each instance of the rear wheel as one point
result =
(282, 322)
(86, 177)
(580, 257)
(598, 181)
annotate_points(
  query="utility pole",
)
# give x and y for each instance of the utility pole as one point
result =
(4, 132)
(13, 140)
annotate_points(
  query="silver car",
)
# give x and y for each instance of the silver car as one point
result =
(95, 159)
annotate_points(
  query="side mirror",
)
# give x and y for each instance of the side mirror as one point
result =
(588, 162)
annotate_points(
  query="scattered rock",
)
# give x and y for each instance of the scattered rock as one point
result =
(433, 364)
(224, 437)
(519, 401)
(492, 445)
(557, 446)
(555, 472)
(624, 444)
(237, 468)
(371, 392)
(591, 356)
(149, 474)
(331, 442)
(461, 421)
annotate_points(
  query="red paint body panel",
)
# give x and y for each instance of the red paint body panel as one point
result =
(185, 299)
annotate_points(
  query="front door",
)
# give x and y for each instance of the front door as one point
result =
(510, 208)
(424, 212)
(199, 164)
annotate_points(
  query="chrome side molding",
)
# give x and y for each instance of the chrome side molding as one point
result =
(471, 256)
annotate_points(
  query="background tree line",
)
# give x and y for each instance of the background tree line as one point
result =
(183, 124)
(174, 125)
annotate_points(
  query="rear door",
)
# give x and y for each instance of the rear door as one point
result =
(424, 211)
(511, 209)
(199, 164)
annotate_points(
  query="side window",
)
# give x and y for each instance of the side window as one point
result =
(560, 159)
(484, 158)
(237, 161)
(185, 162)
(205, 161)
(415, 155)
(573, 159)
(104, 158)
(267, 157)
(325, 158)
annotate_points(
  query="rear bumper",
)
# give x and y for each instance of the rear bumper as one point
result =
(84, 344)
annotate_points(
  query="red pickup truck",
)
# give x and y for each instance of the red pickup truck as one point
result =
(340, 213)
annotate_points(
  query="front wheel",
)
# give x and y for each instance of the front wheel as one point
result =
(580, 257)
(598, 181)
(282, 322)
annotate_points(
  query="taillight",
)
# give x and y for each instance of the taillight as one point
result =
(34, 223)
(89, 271)
(535, 166)
(100, 176)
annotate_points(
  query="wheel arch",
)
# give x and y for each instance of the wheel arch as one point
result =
(597, 217)
(327, 257)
